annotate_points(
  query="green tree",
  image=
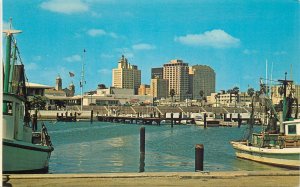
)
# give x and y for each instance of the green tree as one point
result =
(38, 102)
(250, 92)
(172, 93)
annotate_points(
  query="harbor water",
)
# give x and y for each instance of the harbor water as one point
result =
(100, 147)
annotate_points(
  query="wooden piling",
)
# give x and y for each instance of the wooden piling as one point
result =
(142, 140)
(172, 120)
(205, 121)
(199, 157)
(239, 120)
(92, 116)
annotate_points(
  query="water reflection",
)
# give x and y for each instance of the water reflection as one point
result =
(108, 147)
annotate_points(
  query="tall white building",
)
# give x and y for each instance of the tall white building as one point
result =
(177, 73)
(126, 75)
(203, 80)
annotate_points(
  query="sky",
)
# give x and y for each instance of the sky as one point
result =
(234, 37)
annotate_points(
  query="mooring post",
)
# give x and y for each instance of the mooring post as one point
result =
(230, 116)
(199, 157)
(34, 120)
(75, 115)
(172, 120)
(92, 113)
(142, 139)
(57, 116)
(239, 120)
(142, 149)
(205, 122)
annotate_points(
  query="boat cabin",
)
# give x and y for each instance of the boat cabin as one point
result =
(292, 128)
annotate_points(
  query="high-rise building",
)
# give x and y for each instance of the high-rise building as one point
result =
(157, 73)
(203, 81)
(177, 73)
(126, 75)
(159, 88)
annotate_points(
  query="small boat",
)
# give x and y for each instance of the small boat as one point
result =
(278, 146)
(207, 118)
(25, 149)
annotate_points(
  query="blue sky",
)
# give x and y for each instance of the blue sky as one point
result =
(234, 37)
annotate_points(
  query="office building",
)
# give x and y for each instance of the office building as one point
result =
(203, 80)
(126, 75)
(177, 73)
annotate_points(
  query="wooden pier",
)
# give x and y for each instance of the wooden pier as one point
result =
(143, 120)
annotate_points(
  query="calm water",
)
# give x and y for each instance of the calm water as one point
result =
(100, 147)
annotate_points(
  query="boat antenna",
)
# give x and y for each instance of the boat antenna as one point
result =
(82, 82)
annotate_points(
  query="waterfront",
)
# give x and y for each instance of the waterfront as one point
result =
(81, 147)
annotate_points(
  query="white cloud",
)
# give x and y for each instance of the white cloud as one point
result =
(31, 66)
(96, 32)
(37, 58)
(249, 51)
(143, 46)
(65, 6)
(101, 32)
(215, 38)
(73, 58)
(278, 53)
(106, 55)
(96, 14)
(105, 71)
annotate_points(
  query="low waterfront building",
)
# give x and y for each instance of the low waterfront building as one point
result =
(277, 97)
(36, 89)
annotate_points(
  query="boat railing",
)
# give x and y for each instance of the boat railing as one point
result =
(275, 140)
(42, 137)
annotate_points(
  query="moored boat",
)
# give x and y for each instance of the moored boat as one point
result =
(25, 149)
(278, 146)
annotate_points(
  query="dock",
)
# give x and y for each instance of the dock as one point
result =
(147, 179)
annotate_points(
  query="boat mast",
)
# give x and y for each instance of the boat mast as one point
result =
(82, 82)
(9, 34)
(14, 58)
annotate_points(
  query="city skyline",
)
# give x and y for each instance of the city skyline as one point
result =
(235, 39)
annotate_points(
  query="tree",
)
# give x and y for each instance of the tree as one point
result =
(201, 93)
(172, 93)
(38, 102)
(250, 92)
(236, 91)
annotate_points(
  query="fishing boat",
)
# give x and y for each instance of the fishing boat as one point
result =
(25, 148)
(278, 143)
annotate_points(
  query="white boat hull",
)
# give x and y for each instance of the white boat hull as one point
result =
(22, 157)
(209, 123)
(285, 157)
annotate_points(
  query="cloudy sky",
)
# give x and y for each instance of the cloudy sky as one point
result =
(234, 37)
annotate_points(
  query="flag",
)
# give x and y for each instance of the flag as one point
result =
(71, 74)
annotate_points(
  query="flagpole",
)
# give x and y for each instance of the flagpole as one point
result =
(82, 78)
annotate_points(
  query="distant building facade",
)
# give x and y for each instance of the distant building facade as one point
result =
(144, 89)
(159, 88)
(126, 75)
(177, 73)
(203, 80)
(157, 73)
